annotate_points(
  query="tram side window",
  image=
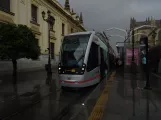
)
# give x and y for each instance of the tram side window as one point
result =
(93, 57)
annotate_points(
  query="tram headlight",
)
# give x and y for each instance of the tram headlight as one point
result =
(83, 104)
(83, 67)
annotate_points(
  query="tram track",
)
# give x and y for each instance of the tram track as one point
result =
(79, 102)
(83, 95)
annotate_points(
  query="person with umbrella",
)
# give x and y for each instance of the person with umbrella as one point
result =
(154, 58)
(144, 62)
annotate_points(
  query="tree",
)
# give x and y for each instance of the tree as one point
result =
(17, 41)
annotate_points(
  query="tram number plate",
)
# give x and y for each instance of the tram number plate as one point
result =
(73, 70)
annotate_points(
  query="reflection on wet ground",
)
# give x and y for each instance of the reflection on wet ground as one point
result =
(64, 105)
(59, 105)
(84, 109)
(30, 89)
(56, 106)
(129, 101)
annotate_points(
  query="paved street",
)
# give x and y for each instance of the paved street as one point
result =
(104, 56)
(42, 104)
(129, 101)
(26, 80)
(31, 88)
(55, 106)
(126, 100)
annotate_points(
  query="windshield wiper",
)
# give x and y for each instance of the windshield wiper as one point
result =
(80, 58)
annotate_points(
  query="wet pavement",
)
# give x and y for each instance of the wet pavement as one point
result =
(30, 89)
(34, 99)
(38, 75)
(26, 82)
(127, 100)
(82, 110)
(63, 105)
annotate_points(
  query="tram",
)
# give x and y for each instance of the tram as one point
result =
(83, 56)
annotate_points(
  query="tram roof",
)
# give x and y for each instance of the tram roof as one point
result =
(81, 33)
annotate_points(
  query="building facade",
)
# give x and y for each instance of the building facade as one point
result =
(153, 39)
(29, 12)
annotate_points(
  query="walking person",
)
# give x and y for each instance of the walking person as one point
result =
(144, 65)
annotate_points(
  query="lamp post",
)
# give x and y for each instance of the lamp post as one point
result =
(117, 36)
(133, 45)
(153, 36)
(132, 32)
(50, 20)
(119, 29)
(145, 38)
(133, 64)
(114, 28)
(150, 26)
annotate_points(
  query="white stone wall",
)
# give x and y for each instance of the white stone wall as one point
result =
(22, 15)
(19, 7)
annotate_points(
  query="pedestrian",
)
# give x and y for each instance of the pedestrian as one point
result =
(144, 65)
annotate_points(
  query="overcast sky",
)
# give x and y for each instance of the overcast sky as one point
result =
(102, 14)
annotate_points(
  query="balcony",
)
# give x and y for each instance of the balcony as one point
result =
(35, 27)
(6, 17)
(52, 35)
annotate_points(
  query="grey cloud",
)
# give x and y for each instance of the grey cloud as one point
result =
(102, 14)
(114, 11)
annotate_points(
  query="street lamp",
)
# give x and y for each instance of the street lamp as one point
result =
(51, 21)
(132, 33)
(153, 36)
(142, 27)
(133, 30)
(116, 36)
(144, 39)
(114, 28)
(133, 45)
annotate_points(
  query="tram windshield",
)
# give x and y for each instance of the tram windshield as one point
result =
(73, 50)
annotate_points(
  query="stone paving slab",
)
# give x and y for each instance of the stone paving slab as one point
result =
(124, 104)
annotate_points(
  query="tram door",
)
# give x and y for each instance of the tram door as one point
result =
(101, 63)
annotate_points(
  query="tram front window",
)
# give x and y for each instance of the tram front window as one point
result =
(73, 50)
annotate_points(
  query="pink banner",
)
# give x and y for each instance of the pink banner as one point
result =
(129, 56)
